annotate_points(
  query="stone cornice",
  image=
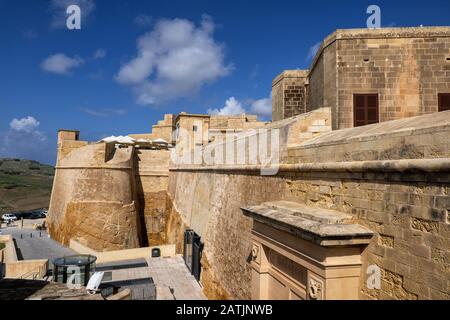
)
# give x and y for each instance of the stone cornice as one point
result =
(321, 226)
(404, 165)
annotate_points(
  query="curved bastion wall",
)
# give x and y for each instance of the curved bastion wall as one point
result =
(94, 197)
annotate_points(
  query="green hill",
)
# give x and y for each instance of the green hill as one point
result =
(24, 185)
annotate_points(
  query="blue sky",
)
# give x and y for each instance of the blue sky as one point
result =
(192, 56)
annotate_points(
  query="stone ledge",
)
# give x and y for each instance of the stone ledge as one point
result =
(379, 33)
(290, 74)
(400, 166)
(320, 226)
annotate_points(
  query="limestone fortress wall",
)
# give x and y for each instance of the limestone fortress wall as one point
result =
(108, 198)
(392, 177)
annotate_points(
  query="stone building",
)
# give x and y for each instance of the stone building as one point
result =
(193, 130)
(352, 210)
(368, 76)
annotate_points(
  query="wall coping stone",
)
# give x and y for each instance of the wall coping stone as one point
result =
(320, 226)
(403, 165)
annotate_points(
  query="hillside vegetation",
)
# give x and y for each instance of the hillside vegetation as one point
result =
(24, 185)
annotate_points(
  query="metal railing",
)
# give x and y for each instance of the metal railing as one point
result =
(34, 274)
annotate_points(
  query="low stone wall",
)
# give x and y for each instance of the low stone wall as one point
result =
(26, 269)
(120, 255)
(9, 252)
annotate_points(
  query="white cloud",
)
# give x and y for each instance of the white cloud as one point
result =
(232, 107)
(60, 63)
(25, 141)
(313, 50)
(143, 20)
(176, 59)
(262, 107)
(28, 124)
(58, 10)
(99, 54)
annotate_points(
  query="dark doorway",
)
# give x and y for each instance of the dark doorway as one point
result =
(193, 253)
(365, 109)
(444, 101)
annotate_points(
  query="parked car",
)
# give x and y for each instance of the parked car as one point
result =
(8, 217)
(20, 215)
(36, 215)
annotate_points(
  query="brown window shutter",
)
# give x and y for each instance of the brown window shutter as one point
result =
(365, 109)
(444, 101)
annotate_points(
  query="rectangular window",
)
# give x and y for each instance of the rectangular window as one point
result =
(194, 128)
(444, 101)
(365, 109)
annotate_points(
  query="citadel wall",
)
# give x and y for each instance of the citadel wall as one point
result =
(391, 177)
(152, 182)
(107, 197)
(93, 197)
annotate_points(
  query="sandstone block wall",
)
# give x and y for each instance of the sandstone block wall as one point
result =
(267, 145)
(406, 67)
(108, 197)
(209, 203)
(407, 72)
(93, 197)
(409, 217)
(405, 202)
(152, 182)
(289, 94)
(408, 210)
(322, 82)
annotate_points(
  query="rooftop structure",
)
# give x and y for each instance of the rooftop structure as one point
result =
(370, 75)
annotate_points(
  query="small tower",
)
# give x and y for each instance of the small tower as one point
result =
(289, 94)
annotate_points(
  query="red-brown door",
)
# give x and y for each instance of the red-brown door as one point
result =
(365, 109)
(444, 101)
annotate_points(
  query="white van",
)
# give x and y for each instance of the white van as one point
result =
(9, 218)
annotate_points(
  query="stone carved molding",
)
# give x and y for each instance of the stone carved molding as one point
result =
(255, 251)
(315, 289)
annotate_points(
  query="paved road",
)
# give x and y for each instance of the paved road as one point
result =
(33, 244)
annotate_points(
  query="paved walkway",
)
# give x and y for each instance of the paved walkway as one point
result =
(173, 279)
(131, 274)
(170, 275)
(36, 245)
